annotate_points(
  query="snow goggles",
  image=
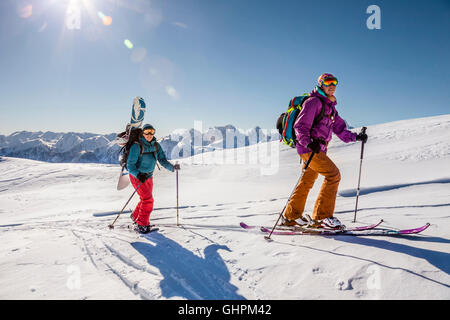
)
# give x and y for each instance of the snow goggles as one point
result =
(330, 82)
(149, 133)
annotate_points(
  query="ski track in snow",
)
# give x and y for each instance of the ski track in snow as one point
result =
(55, 218)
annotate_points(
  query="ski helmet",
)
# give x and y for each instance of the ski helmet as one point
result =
(147, 127)
(323, 77)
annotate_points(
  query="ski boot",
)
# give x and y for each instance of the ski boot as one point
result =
(310, 222)
(332, 223)
(329, 223)
(300, 222)
(142, 229)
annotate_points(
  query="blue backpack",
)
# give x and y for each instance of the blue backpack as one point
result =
(286, 121)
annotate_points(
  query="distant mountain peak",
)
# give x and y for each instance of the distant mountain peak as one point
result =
(90, 147)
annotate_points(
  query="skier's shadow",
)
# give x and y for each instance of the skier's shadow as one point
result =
(439, 259)
(364, 191)
(187, 275)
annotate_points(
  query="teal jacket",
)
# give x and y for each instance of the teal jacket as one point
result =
(146, 161)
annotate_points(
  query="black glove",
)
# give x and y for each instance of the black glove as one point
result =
(362, 137)
(176, 167)
(142, 177)
(314, 146)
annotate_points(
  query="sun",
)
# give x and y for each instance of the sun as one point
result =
(88, 6)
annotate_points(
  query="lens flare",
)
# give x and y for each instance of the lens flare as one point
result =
(138, 55)
(171, 91)
(128, 44)
(101, 15)
(25, 11)
(107, 21)
(43, 27)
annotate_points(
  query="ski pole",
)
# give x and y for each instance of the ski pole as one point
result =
(111, 226)
(177, 200)
(363, 130)
(282, 211)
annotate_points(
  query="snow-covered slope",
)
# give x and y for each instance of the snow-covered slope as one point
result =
(55, 242)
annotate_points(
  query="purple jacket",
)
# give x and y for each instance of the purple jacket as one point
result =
(330, 123)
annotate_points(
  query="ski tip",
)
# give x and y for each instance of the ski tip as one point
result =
(426, 225)
(243, 225)
(416, 230)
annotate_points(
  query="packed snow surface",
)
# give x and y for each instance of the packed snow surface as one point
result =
(55, 242)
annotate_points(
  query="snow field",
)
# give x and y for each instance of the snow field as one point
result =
(55, 243)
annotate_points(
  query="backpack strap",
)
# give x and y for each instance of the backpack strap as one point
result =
(156, 153)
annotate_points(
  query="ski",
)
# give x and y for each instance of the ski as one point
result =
(367, 232)
(246, 226)
(300, 228)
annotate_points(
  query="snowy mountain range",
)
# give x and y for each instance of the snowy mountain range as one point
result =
(101, 148)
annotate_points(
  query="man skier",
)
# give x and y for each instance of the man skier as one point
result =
(315, 138)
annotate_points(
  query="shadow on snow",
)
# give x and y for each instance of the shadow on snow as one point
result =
(438, 259)
(187, 275)
(363, 191)
(398, 207)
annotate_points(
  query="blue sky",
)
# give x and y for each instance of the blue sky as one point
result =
(219, 61)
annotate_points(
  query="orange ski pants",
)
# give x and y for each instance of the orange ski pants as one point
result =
(324, 207)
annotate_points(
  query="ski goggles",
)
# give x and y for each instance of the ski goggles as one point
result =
(149, 133)
(330, 82)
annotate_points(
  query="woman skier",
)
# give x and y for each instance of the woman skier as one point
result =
(143, 154)
(314, 137)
